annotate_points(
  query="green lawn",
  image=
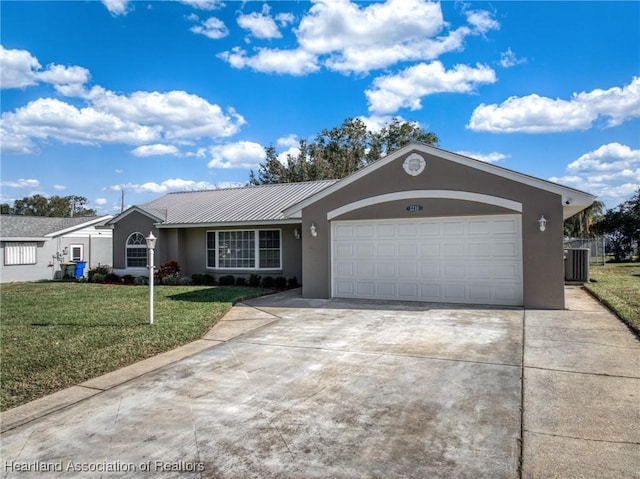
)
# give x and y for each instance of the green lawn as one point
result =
(55, 335)
(618, 286)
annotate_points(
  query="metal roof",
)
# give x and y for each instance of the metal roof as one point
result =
(18, 226)
(249, 204)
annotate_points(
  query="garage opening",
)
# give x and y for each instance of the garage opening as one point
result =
(469, 260)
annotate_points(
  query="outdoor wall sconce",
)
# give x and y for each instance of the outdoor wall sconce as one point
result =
(296, 233)
(313, 230)
(542, 222)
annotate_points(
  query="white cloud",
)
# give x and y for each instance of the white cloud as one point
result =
(292, 152)
(117, 7)
(204, 4)
(180, 115)
(173, 184)
(100, 201)
(261, 25)
(375, 123)
(19, 69)
(492, 157)
(610, 157)
(21, 183)
(59, 187)
(404, 90)
(482, 21)
(612, 172)
(509, 59)
(350, 37)
(242, 154)
(292, 62)
(537, 114)
(139, 118)
(154, 150)
(285, 19)
(288, 141)
(50, 118)
(213, 28)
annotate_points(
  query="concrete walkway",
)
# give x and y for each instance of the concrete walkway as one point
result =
(273, 373)
(581, 393)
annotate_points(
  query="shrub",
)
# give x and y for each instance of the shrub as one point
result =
(141, 280)
(169, 269)
(241, 281)
(197, 279)
(128, 279)
(98, 278)
(184, 281)
(255, 280)
(281, 282)
(268, 282)
(102, 270)
(112, 278)
(208, 279)
(228, 280)
(169, 280)
(292, 283)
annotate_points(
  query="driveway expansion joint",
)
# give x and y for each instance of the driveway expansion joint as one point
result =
(374, 353)
(585, 373)
(565, 436)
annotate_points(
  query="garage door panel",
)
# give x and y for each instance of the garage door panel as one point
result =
(408, 270)
(430, 270)
(460, 260)
(430, 250)
(386, 250)
(453, 250)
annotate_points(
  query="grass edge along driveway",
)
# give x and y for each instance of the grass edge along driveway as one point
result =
(617, 286)
(56, 335)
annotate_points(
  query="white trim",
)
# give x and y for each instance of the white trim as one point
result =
(228, 224)
(133, 209)
(81, 247)
(573, 200)
(425, 194)
(78, 226)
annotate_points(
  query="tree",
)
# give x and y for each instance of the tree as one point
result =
(621, 227)
(580, 225)
(338, 152)
(56, 206)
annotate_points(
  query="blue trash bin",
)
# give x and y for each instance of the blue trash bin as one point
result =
(79, 270)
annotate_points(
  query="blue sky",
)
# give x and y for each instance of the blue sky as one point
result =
(152, 97)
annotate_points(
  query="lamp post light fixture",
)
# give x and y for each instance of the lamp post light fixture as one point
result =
(296, 233)
(151, 244)
(542, 222)
(313, 230)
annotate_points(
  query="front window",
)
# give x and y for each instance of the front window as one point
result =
(136, 251)
(19, 253)
(244, 249)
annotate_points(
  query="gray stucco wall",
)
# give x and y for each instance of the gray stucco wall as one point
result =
(188, 246)
(132, 223)
(543, 266)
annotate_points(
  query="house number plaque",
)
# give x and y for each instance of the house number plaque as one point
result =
(414, 208)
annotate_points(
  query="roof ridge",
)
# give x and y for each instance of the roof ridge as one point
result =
(246, 187)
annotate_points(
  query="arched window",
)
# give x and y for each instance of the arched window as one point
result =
(136, 251)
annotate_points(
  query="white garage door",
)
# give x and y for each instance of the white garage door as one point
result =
(455, 260)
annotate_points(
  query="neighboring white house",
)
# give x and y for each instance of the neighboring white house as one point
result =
(33, 247)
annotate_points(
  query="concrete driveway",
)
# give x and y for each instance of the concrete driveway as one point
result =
(290, 388)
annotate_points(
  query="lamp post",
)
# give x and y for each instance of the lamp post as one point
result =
(151, 244)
